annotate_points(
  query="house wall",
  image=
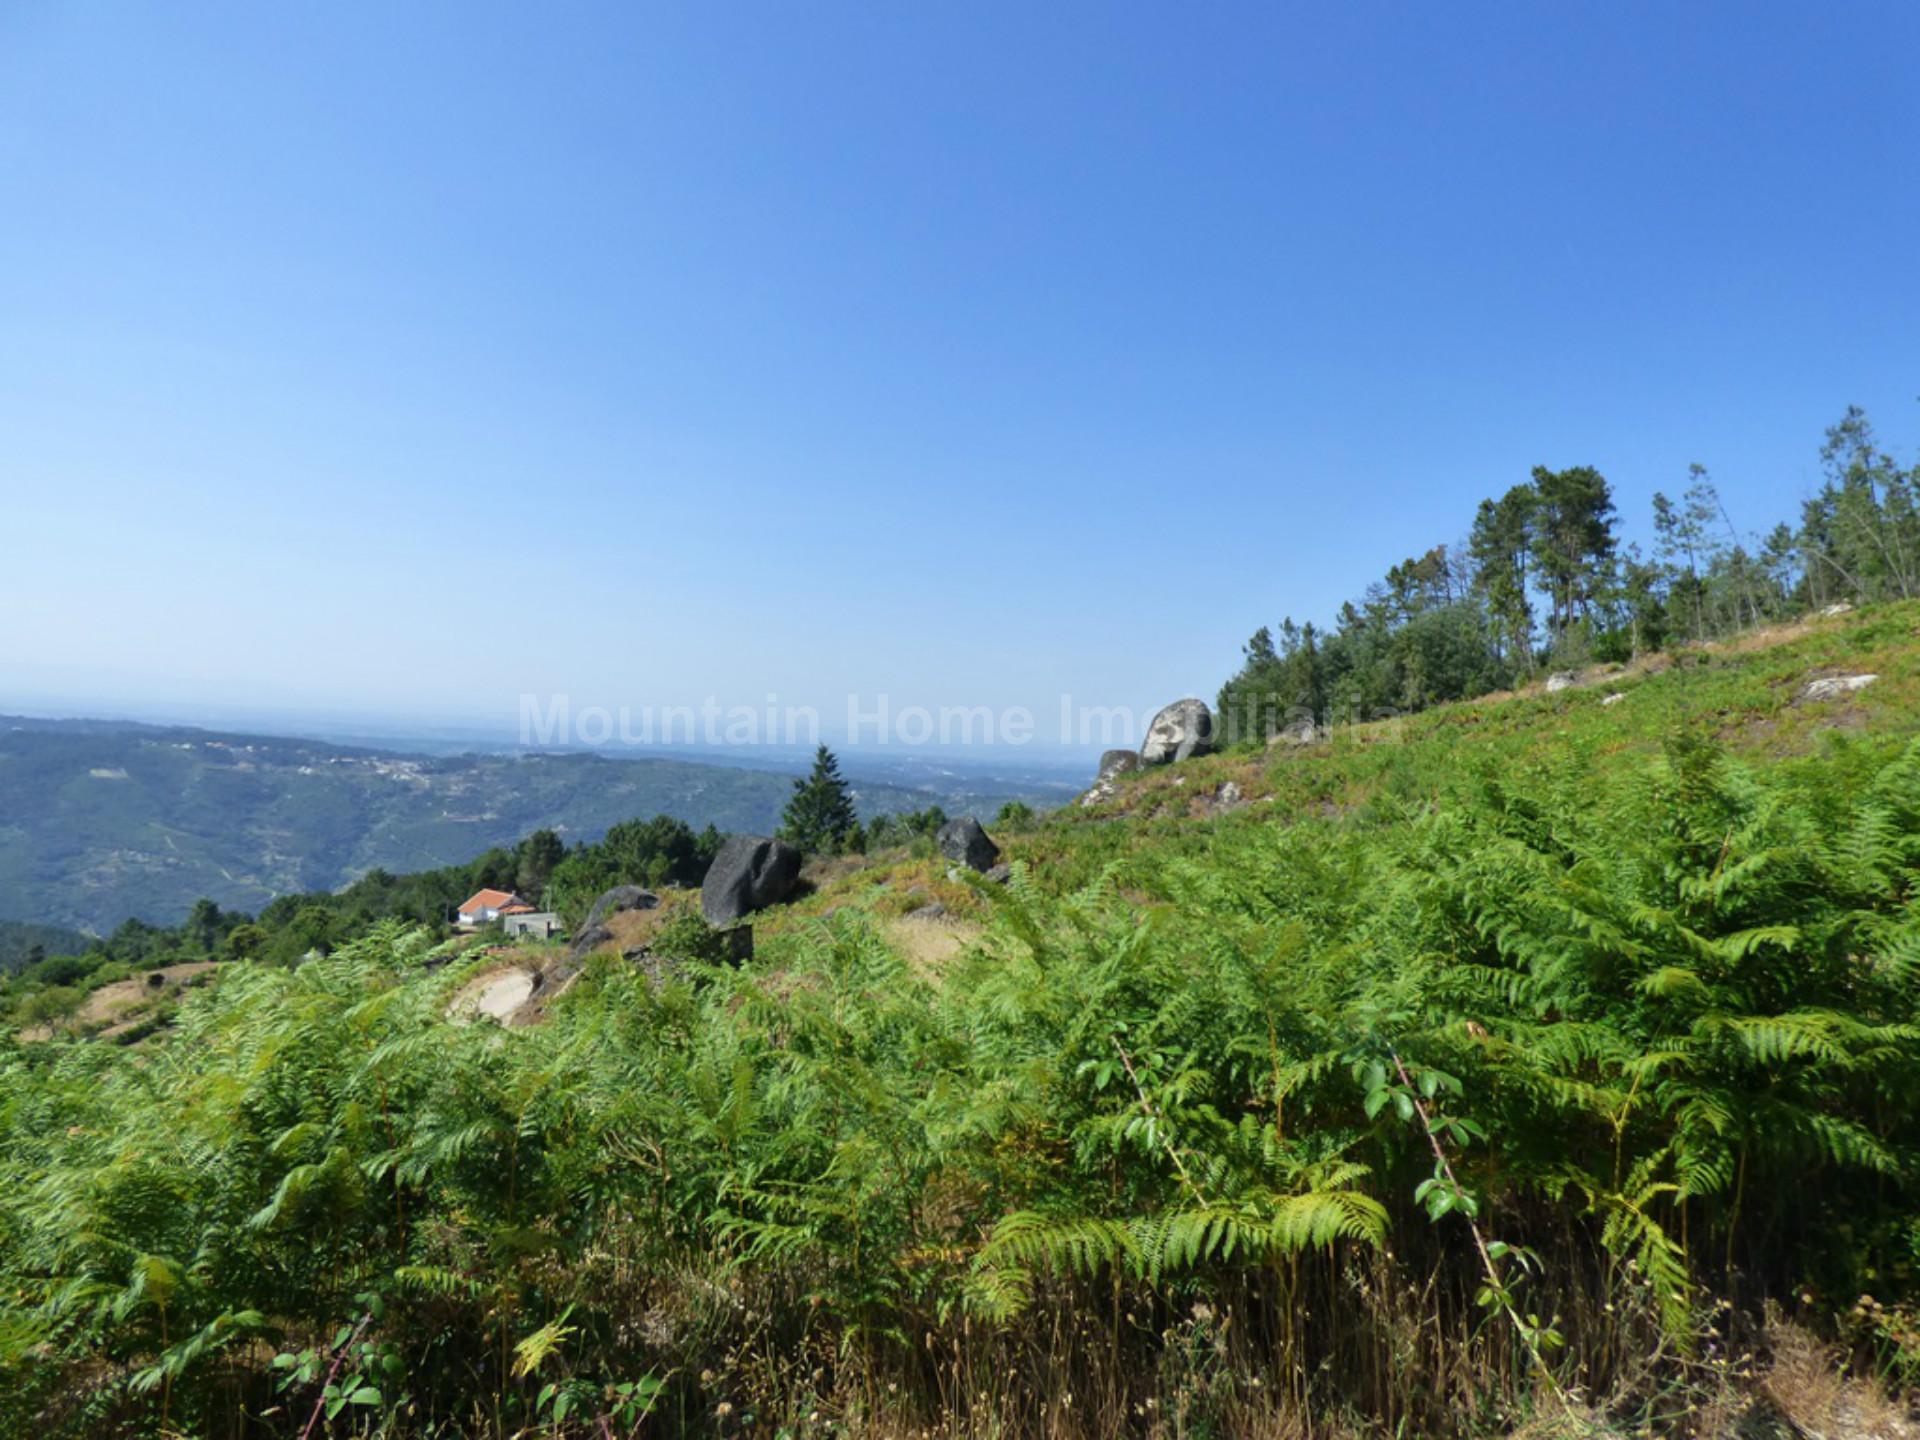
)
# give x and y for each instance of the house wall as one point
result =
(541, 924)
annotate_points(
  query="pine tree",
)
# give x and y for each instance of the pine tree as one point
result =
(539, 853)
(1501, 546)
(1573, 545)
(819, 818)
(1250, 703)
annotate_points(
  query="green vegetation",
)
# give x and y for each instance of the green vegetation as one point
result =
(1462, 621)
(22, 944)
(660, 851)
(1015, 815)
(820, 818)
(103, 821)
(1496, 1065)
(904, 829)
(540, 868)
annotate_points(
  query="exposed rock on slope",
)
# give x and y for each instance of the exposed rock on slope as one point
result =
(1113, 763)
(963, 840)
(497, 995)
(1832, 687)
(1228, 797)
(1179, 732)
(750, 873)
(1298, 732)
(617, 900)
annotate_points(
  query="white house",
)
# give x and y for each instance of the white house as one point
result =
(484, 907)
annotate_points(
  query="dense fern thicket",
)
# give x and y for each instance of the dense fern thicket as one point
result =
(1511, 1063)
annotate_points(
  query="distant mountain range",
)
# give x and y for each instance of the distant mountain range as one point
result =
(102, 820)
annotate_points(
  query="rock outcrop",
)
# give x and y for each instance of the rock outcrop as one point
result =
(1179, 732)
(750, 873)
(963, 840)
(1297, 732)
(618, 900)
(1562, 680)
(589, 937)
(1832, 687)
(1113, 763)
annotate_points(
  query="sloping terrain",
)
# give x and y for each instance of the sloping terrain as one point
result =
(1545, 1065)
(119, 1009)
(101, 821)
(20, 941)
(1757, 699)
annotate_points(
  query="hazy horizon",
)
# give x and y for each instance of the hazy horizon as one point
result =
(1041, 754)
(397, 364)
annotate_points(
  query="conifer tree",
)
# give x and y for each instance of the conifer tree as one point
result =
(1573, 543)
(539, 853)
(1501, 546)
(820, 817)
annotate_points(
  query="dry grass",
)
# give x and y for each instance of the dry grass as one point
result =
(115, 1009)
(928, 943)
(632, 929)
(113, 1003)
(1806, 1384)
(1570, 1423)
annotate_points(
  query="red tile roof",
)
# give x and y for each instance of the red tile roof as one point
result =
(489, 900)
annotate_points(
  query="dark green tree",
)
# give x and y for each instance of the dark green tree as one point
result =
(203, 928)
(246, 941)
(1501, 545)
(1250, 705)
(1015, 815)
(1572, 540)
(539, 853)
(1860, 536)
(311, 932)
(820, 816)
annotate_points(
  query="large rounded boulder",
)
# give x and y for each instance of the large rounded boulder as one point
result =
(750, 873)
(964, 840)
(619, 900)
(1179, 732)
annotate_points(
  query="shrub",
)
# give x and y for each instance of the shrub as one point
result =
(1580, 1039)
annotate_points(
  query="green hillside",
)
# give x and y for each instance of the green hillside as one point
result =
(101, 821)
(1543, 1065)
(20, 943)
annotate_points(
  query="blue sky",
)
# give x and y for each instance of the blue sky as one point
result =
(396, 360)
